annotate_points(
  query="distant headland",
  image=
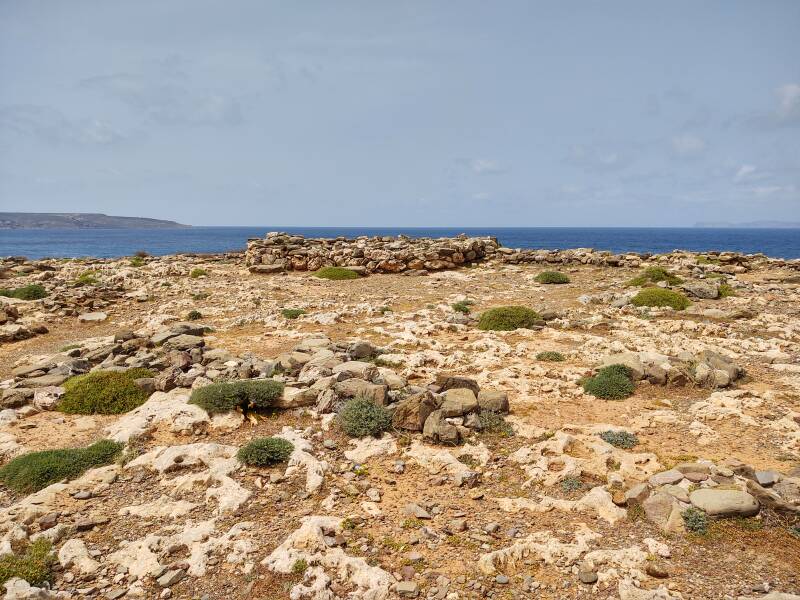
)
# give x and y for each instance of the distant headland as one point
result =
(24, 220)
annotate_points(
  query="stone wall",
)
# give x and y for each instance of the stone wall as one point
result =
(283, 252)
(279, 252)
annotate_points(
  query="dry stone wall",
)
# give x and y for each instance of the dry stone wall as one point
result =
(279, 252)
(282, 252)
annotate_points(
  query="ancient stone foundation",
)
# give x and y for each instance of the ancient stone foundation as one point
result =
(282, 252)
(279, 252)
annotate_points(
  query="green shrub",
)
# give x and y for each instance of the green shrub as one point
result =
(200, 296)
(361, 417)
(654, 275)
(262, 452)
(462, 306)
(335, 273)
(103, 392)
(87, 278)
(571, 484)
(550, 356)
(659, 297)
(195, 273)
(726, 290)
(552, 277)
(136, 261)
(194, 315)
(620, 439)
(611, 383)
(508, 318)
(492, 422)
(26, 292)
(34, 565)
(299, 566)
(32, 472)
(695, 520)
(250, 394)
(292, 313)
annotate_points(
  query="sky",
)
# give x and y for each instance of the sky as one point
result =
(412, 113)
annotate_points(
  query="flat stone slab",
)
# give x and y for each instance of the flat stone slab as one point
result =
(92, 317)
(725, 503)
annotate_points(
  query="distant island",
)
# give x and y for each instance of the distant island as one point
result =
(750, 225)
(22, 220)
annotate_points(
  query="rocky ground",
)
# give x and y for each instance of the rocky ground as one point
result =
(450, 503)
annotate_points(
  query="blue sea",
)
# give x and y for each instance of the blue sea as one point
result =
(39, 243)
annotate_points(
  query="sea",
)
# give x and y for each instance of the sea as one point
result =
(104, 243)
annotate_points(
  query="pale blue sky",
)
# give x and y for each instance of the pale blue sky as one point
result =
(468, 113)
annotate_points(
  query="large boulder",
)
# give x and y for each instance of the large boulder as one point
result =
(665, 511)
(724, 503)
(437, 430)
(350, 388)
(458, 402)
(705, 290)
(412, 412)
(493, 400)
(629, 359)
(445, 381)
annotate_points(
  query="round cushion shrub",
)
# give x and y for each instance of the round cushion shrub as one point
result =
(103, 392)
(695, 520)
(248, 395)
(263, 452)
(659, 297)
(508, 318)
(335, 273)
(619, 439)
(292, 313)
(550, 356)
(26, 292)
(552, 277)
(611, 383)
(36, 470)
(361, 417)
(654, 275)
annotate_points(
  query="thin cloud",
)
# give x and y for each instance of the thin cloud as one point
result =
(688, 145)
(485, 166)
(48, 124)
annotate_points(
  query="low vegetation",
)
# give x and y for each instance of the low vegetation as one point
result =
(195, 273)
(32, 472)
(619, 439)
(194, 315)
(26, 292)
(611, 383)
(361, 417)
(252, 394)
(263, 452)
(550, 356)
(508, 318)
(726, 290)
(654, 275)
(137, 261)
(571, 484)
(87, 278)
(552, 277)
(462, 306)
(103, 392)
(695, 520)
(495, 423)
(292, 313)
(34, 564)
(661, 298)
(335, 273)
